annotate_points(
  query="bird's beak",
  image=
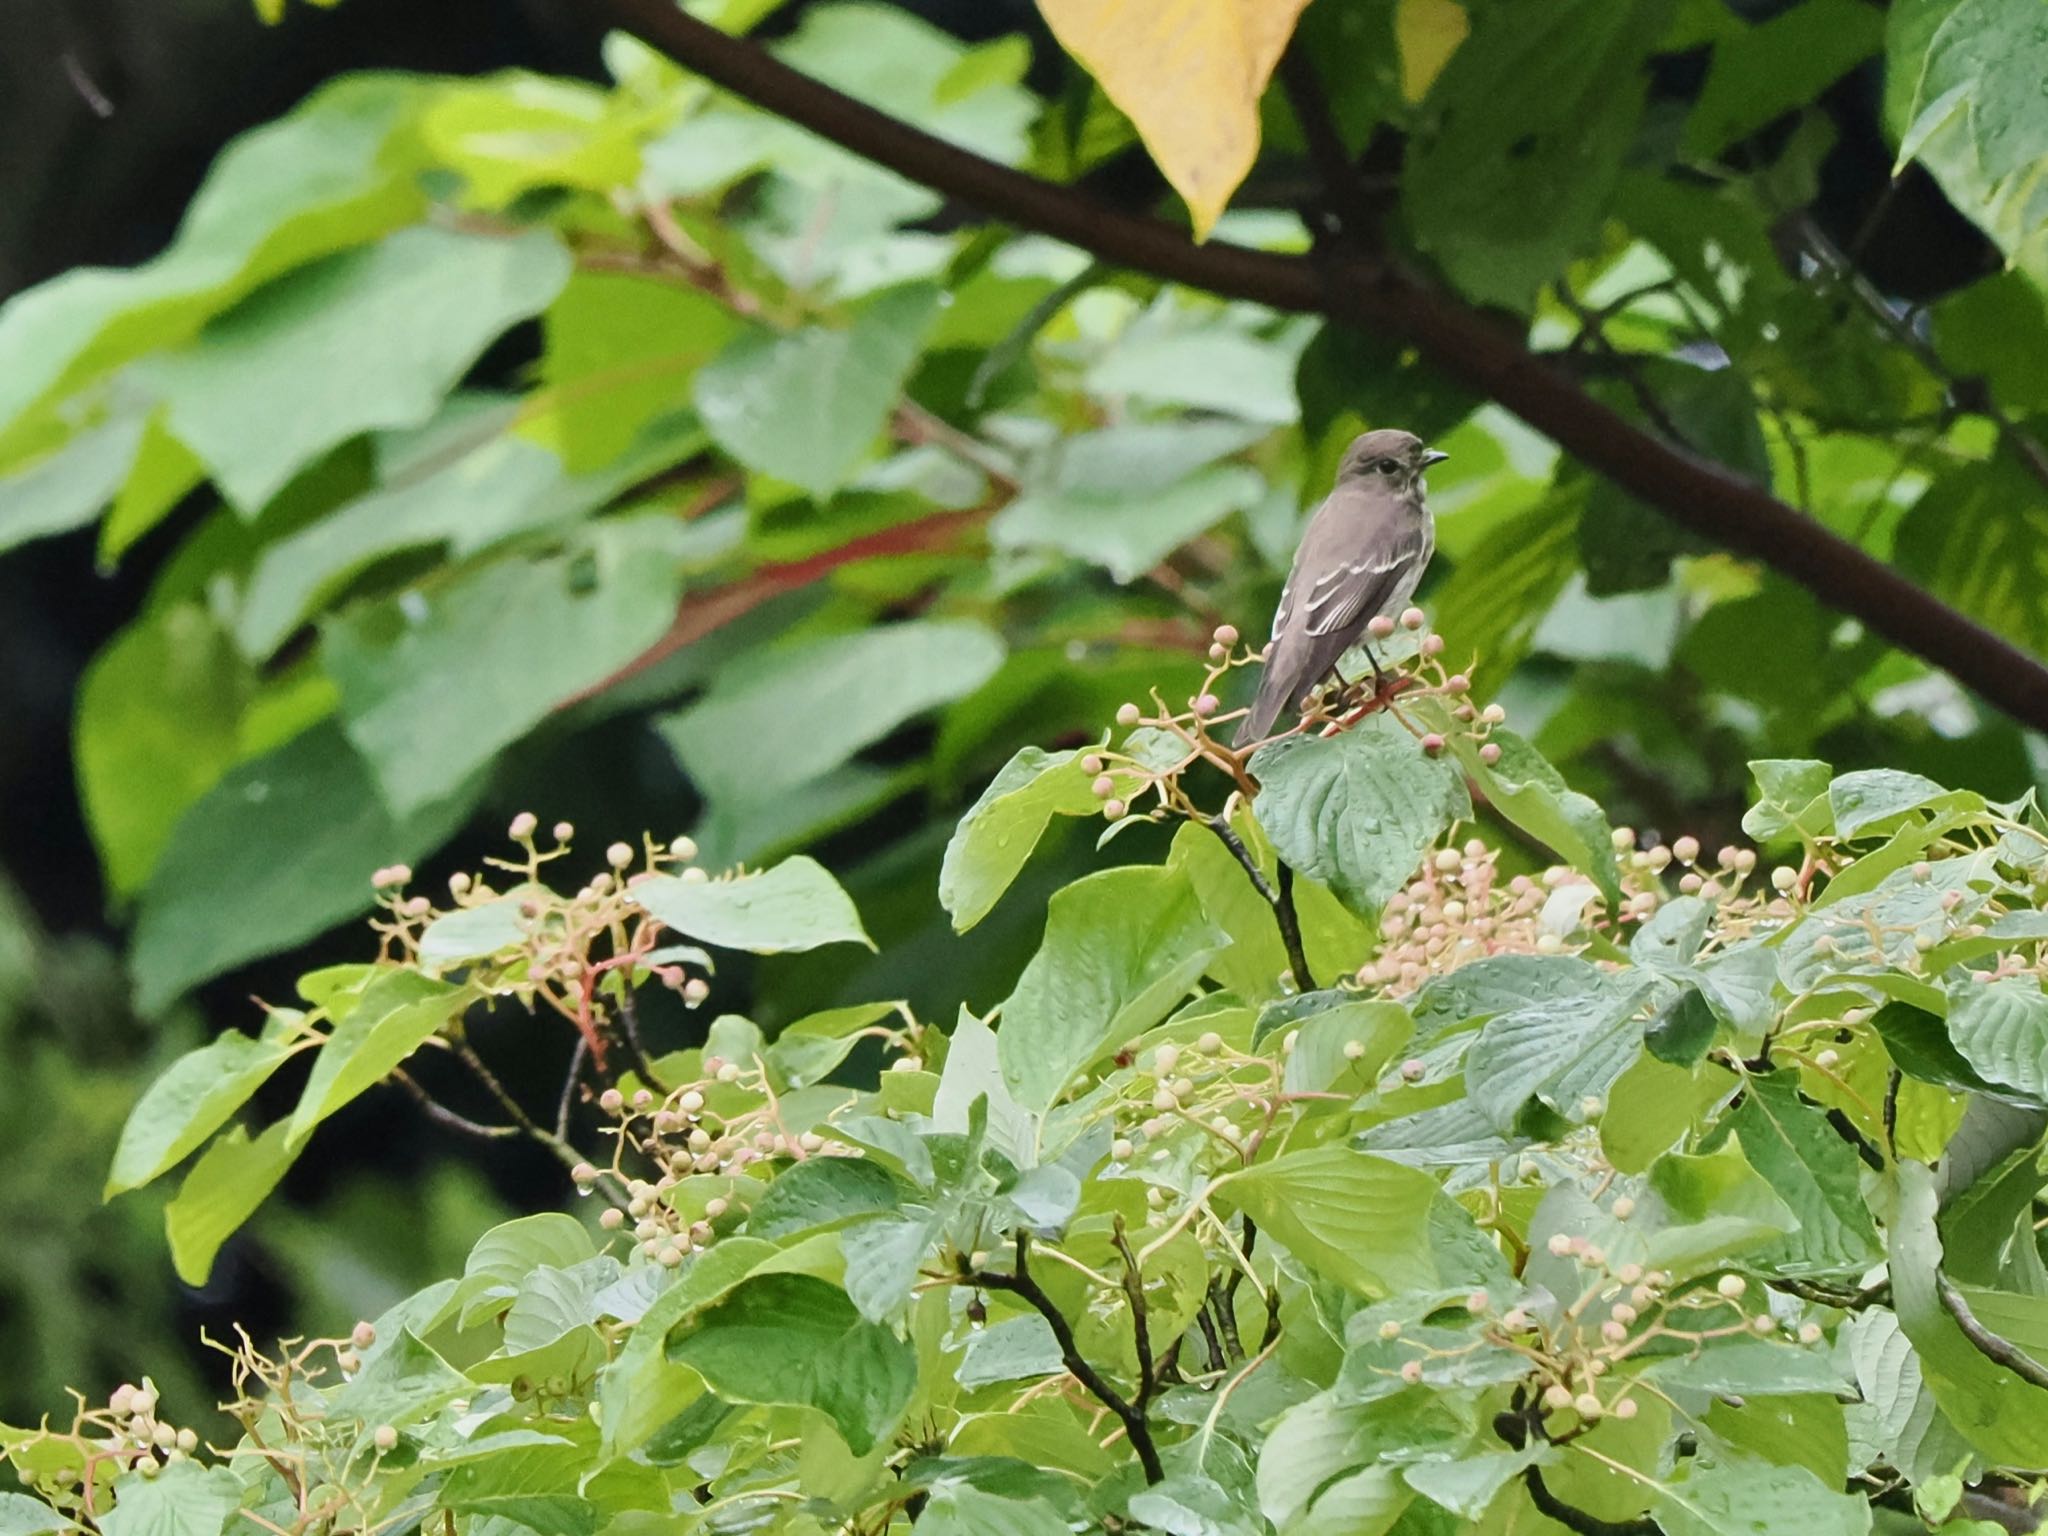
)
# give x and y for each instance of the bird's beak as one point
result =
(1433, 456)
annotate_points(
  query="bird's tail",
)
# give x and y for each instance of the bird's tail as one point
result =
(1277, 688)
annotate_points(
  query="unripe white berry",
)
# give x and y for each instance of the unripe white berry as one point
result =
(1560, 1244)
(188, 1440)
(1413, 618)
(619, 855)
(1588, 1406)
(523, 826)
(611, 1218)
(1128, 714)
(1122, 1150)
(1411, 1372)
(1165, 1059)
(384, 1437)
(1686, 849)
(1625, 1409)
(1624, 1207)
(1380, 627)
(1763, 1322)
(1354, 1050)
(1557, 1395)
(1783, 878)
(1476, 1303)
(729, 1072)
(1827, 1060)
(1210, 1044)
(1114, 810)
(1226, 634)
(1390, 1329)
(1731, 1287)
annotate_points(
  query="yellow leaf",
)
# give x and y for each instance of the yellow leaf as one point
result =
(1189, 75)
(1429, 32)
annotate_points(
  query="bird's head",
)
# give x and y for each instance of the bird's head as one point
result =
(1388, 457)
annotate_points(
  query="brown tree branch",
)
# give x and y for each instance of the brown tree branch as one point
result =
(1365, 289)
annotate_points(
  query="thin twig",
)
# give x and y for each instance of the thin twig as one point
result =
(441, 1114)
(1020, 1284)
(1141, 1330)
(1991, 1346)
(514, 1111)
(568, 1102)
(1281, 901)
(629, 1020)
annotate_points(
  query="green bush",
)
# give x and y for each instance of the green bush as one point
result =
(1667, 1189)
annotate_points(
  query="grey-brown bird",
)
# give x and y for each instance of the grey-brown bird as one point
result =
(1364, 551)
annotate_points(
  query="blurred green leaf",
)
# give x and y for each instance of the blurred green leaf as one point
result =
(231, 1179)
(794, 906)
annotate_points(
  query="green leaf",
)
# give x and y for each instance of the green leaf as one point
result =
(160, 719)
(504, 1256)
(1469, 1484)
(164, 474)
(231, 1178)
(470, 933)
(961, 1509)
(1357, 811)
(67, 487)
(1764, 71)
(1121, 948)
(1496, 597)
(1740, 1497)
(192, 1099)
(1969, 89)
(2001, 1029)
(1709, 1207)
(1529, 793)
(822, 1192)
(809, 1050)
(795, 1339)
(181, 1500)
(532, 1486)
(794, 906)
(1359, 1219)
(806, 407)
(1792, 795)
(361, 340)
(996, 836)
(276, 852)
(1523, 139)
(751, 737)
(1975, 540)
(320, 179)
(1814, 1171)
(21, 1515)
(1750, 1368)
(1874, 796)
(1998, 1413)
(398, 1012)
(434, 683)
(1126, 533)
(1561, 1052)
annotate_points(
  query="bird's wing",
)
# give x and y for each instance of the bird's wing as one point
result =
(1346, 595)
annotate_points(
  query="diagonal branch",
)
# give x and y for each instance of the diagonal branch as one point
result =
(1364, 288)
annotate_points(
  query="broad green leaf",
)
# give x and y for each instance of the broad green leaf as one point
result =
(1527, 792)
(1121, 948)
(1492, 603)
(1974, 539)
(277, 851)
(794, 906)
(1359, 1219)
(795, 1339)
(806, 407)
(470, 933)
(1777, 66)
(1524, 135)
(325, 177)
(621, 350)
(1255, 964)
(820, 1192)
(473, 486)
(1870, 797)
(1357, 811)
(1127, 534)
(1911, 1430)
(67, 487)
(1015, 1349)
(1964, 100)
(1469, 1484)
(232, 1177)
(21, 1515)
(512, 132)
(809, 1050)
(1563, 1052)
(530, 1486)
(995, 838)
(361, 340)
(973, 1076)
(403, 1381)
(1709, 1208)
(192, 1099)
(1740, 1497)
(1750, 1368)
(163, 475)
(182, 1500)
(1211, 367)
(396, 1014)
(754, 737)
(1189, 74)
(2001, 1029)
(1998, 1413)
(160, 719)
(1814, 1171)
(1127, 496)
(1792, 795)
(961, 1509)
(435, 682)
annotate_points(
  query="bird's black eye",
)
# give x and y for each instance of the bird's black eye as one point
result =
(1386, 466)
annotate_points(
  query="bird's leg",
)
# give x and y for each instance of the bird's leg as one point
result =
(1379, 678)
